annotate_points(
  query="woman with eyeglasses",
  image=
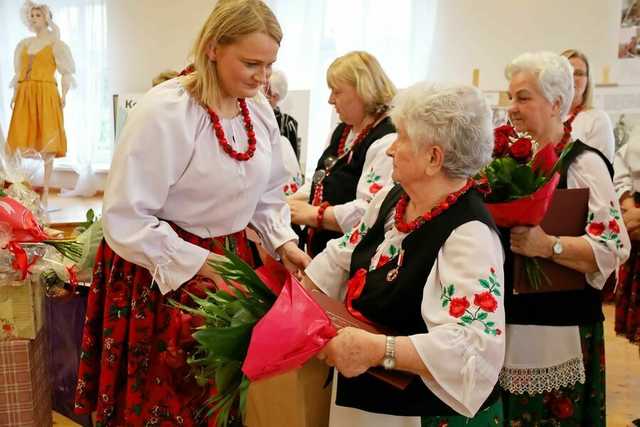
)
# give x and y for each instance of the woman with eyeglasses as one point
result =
(354, 167)
(590, 125)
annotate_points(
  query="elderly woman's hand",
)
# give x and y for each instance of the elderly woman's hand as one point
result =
(531, 242)
(353, 351)
(302, 213)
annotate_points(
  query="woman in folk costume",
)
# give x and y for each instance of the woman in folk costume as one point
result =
(37, 125)
(554, 369)
(354, 167)
(197, 162)
(425, 261)
(627, 183)
(590, 125)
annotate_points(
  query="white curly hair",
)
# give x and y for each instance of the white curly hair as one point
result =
(455, 117)
(554, 73)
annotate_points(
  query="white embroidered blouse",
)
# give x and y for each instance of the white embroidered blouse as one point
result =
(461, 306)
(376, 173)
(169, 166)
(593, 127)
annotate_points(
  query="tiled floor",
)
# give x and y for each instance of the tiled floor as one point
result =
(623, 358)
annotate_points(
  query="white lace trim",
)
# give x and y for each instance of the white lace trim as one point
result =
(540, 380)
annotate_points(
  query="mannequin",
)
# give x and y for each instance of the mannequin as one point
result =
(37, 126)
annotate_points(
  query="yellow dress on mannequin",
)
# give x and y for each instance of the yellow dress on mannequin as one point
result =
(37, 123)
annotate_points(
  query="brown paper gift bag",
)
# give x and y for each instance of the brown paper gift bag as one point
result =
(21, 309)
(295, 399)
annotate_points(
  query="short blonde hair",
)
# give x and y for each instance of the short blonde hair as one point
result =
(229, 21)
(163, 77)
(587, 97)
(363, 71)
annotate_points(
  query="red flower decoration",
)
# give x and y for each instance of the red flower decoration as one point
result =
(595, 228)
(7, 327)
(501, 137)
(485, 301)
(521, 150)
(382, 261)
(294, 187)
(613, 226)
(374, 188)
(545, 160)
(562, 408)
(458, 306)
(355, 237)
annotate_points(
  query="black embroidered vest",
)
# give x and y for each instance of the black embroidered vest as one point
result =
(397, 305)
(565, 308)
(340, 185)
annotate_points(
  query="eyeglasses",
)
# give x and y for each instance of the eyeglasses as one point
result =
(580, 73)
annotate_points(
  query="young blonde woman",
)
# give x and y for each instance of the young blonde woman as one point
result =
(197, 162)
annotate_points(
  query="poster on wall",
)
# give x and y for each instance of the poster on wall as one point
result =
(629, 43)
(122, 105)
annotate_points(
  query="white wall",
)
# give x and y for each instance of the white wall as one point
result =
(146, 37)
(487, 34)
(149, 36)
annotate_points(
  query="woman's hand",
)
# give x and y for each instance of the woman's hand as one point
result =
(302, 213)
(632, 219)
(531, 242)
(353, 351)
(294, 259)
(207, 271)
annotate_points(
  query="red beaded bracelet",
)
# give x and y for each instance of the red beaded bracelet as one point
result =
(320, 217)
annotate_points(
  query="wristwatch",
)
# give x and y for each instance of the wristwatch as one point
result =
(389, 361)
(557, 247)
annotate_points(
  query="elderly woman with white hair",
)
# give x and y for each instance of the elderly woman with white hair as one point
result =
(276, 91)
(554, 365)
(426, 262)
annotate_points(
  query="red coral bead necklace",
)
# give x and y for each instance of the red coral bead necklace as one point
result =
(222, 139)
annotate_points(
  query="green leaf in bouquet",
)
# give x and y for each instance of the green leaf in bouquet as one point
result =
(231, 342)
(523, 182)
(228, 376)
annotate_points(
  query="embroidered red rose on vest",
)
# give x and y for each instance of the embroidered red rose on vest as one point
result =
(562, 407)
(355, 237)
(485, 301)
(596, 228)
(374, 188)
(613, 226)
(458, 306)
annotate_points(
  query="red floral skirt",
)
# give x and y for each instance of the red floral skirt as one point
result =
(628, 297)
(133, 369)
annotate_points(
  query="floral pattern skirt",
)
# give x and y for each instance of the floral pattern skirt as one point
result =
(133, 364)
(579, 405)
(628, 297)
(488, 417)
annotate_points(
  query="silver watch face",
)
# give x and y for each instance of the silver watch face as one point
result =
(557, 247)
(389, 363)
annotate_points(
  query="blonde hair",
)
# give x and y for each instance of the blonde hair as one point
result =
(229, 21)
(163, 77)
(587, 97)
(363, 71)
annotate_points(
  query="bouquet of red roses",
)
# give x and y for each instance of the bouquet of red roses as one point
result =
(520, 184)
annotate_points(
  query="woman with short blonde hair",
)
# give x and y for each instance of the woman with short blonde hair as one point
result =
(353, 168)
(197, 162)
